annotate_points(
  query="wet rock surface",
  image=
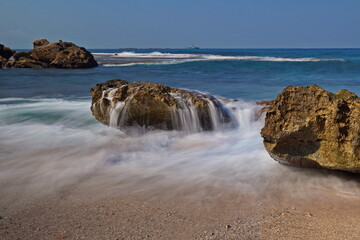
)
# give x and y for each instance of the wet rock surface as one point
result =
(147, 105)
(311, 127)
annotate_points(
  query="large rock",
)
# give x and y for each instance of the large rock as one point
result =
(311, 127)
(149, 106)
(60, 54)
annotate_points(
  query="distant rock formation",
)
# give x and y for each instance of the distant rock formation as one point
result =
(5, 54)
(47, 54)
(311, 127)
(150, 106)
(25, 60)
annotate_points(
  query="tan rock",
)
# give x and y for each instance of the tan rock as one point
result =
(155, 106)
(54, 55)
(311, 127)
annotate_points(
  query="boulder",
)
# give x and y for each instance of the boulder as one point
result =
(311, 127)
(60, 54)
(150, 106)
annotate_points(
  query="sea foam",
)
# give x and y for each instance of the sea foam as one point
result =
(56, 144)
(132, 58)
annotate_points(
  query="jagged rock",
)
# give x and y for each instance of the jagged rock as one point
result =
(60, 54)
(311, 127)
(25, 60)
(6, 52)
(265, 107)
(4, 63)
(147, 105)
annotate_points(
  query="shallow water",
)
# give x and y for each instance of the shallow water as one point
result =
(49, 139)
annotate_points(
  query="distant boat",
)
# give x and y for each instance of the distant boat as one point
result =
(193, 47)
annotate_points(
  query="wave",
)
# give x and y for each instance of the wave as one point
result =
(158, 58)
(146, 63)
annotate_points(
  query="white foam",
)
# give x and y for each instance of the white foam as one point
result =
(40, 157)
(156, 58)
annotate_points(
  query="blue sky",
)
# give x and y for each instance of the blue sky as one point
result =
(170, 23)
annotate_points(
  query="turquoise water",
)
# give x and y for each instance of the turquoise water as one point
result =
(49, 138)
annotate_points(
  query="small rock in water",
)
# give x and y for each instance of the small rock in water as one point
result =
(227, 226)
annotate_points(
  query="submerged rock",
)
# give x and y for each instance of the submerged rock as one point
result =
(311, 127)
(147, 105)
(47, 54)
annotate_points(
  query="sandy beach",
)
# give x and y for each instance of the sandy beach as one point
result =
(170, 211)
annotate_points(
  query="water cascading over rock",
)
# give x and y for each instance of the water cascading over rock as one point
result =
(311, 127)
(149, 106)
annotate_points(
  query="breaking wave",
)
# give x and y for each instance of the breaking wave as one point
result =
(152, 58)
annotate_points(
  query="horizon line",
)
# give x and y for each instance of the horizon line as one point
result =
(184, 48)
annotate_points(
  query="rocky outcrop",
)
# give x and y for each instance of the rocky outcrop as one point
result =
(47, 54)
(5, 54)
(25, 60)
(62, 54)
(311, 127)
(149, 106)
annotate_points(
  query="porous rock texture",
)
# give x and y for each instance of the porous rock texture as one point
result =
(47, 54)
(311, 127)
(151, 105)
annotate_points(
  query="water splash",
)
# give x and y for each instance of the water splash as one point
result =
(186, 117)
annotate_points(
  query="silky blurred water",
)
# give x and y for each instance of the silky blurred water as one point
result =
(50, 140)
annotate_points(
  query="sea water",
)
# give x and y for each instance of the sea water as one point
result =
(49, 139)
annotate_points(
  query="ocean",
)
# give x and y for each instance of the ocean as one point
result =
(49, 139)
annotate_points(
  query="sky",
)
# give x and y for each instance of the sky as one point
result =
(178, 24)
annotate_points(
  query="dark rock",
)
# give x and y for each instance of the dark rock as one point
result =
(4, 63)
(147, 105)
(6, 52)
(311, 127)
